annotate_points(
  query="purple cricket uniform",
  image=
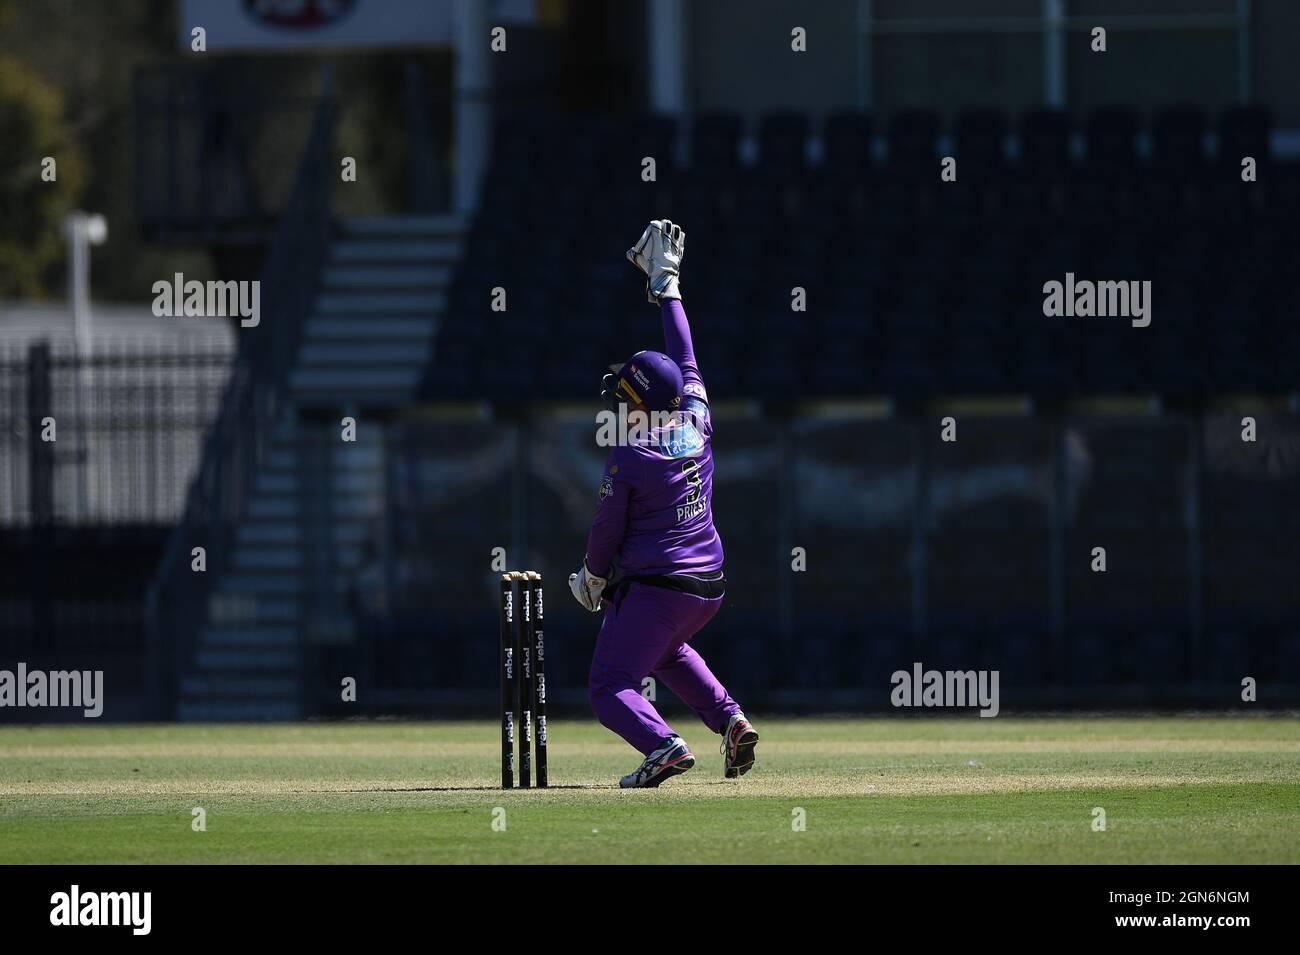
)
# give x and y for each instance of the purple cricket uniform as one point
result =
(654, 519)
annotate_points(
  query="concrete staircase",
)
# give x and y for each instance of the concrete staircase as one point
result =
(364, 349)
(382, 291)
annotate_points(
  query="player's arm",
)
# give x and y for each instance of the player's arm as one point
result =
(605, 539)
(659, 253)
(678, 347)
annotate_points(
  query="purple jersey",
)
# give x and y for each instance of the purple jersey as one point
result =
(654, 510)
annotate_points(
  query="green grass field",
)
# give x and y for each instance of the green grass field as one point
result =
(1191, 789)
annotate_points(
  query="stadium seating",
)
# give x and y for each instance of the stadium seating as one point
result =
(918, 288)
(915, 288)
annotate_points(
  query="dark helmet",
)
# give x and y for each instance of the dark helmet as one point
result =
(649, 377)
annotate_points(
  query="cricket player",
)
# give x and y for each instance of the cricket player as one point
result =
(654, 559)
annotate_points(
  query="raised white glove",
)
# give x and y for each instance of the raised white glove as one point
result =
(658, 253)
(587, 588)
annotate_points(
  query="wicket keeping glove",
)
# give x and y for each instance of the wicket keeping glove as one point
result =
(587, 588)
(658, 253)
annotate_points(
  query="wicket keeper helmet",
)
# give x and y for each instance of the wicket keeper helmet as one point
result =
(648, 377)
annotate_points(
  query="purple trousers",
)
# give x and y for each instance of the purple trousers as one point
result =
(646, 634)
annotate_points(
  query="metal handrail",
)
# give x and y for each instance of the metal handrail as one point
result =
(254, 401)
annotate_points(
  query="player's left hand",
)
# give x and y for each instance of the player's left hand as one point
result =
(587, 588)
(658, 253)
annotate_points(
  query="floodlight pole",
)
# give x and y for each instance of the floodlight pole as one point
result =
(82, 230)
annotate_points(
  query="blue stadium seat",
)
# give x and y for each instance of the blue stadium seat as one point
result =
(980, 138)
(1044, 143)
(1111, 141)
(913, 139)
(716, 144)
(781, 141)
(1244, 131)
(1178, 138)
(846, 141)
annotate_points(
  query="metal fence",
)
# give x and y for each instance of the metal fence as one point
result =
(971, 554)
(109, 439)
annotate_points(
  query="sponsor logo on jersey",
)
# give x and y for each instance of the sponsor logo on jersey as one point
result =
(681, 442)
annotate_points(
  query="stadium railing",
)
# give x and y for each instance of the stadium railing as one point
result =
(254, 402)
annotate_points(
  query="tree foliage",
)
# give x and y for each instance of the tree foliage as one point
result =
(32, 209)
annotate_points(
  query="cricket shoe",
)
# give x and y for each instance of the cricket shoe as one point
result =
(673, 758)
(738, 742)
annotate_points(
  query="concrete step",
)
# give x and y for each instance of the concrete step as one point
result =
(417, 328)
(349, 473)
(288, 534)
(268, 532)
(223, 711)
(395, 353)
(240, 685)
(282, 458)
(354, 277)
(368, 447)
(381, 251)
(247, 638)
(277, 610)
(364, 486)
(345, 555)
(345, 383)
(366, 453)
(346, 479)
(267, 557)
(369, 400)
(286, 429)
(273, 507)
(248, 659)
(359, 304)
(443, 226)
(361, 503)
(268, 584)
(359, 456)
(232, 610)
(277, 482)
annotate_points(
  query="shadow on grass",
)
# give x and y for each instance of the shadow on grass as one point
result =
(445, 789)
(483, 789)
